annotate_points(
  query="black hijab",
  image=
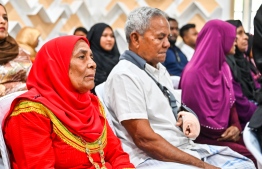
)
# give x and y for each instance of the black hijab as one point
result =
(105, 60)
(248, 53)
(240, 68)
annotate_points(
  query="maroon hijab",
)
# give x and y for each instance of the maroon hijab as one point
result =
(206, 80)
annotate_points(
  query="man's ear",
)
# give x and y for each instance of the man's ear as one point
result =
(134, 37)
(185, 38)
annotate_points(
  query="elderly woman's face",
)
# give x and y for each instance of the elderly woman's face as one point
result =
(82, 68)
(3, 23)
(242, 39)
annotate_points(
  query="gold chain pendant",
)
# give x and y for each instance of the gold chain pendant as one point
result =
(101, 153)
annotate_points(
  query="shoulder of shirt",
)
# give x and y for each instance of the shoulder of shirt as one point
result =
(170, 52)
(125, 68)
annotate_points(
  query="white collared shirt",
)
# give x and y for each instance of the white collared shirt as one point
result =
(188, 51)
(131, 94)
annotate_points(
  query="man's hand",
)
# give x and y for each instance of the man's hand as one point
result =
(209, 166)
(157, 147)
(231, 134)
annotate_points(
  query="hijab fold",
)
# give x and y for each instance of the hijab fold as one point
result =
(105, 60)
(206, 80)
(48, 83)
(8, 50)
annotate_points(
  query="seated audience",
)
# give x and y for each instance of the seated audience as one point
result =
(105, 51)
(81, 31)
(144, 113)
(14, 61)
(188, 33)
(243, 83)
(207, 87)
(175, 59)
(27, 38)
(58, 123)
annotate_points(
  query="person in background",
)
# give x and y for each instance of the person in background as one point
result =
(81, 31)
(207, 88)
(154, 132)
(28, 39)
(188, 33)
(243, 83)
(175, 59)
(14, 61)
(105, 51)
(58, 123)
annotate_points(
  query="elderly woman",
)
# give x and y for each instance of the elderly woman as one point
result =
(14, 62)
(105, 51)
(208, 90)
(27, 38)
(58, 123)
(243, 82)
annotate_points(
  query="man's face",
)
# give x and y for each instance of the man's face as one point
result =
(241, 39)
(153, 45)
(190, 37)
(173, 31)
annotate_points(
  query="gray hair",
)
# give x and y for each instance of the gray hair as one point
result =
(139, 20)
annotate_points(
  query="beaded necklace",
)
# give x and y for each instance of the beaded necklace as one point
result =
(101, 153)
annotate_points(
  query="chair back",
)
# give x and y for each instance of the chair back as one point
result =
(100, 94)
(252, 145)
(5, 103)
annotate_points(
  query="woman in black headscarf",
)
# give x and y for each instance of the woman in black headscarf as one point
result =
(239, 65)
(243, 83)
(105, 51)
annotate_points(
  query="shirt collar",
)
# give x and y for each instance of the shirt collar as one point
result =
(134, 58)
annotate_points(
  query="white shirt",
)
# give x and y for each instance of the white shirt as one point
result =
(188, 51)
(131, 94)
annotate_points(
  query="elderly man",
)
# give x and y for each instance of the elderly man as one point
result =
(144, 115)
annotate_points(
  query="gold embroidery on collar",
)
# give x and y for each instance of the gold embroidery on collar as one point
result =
(68, 137)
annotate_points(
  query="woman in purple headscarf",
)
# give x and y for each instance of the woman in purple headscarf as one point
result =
(207, 87)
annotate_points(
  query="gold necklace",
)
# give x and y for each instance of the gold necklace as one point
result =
(101, 152)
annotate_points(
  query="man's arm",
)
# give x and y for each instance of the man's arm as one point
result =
(156, 146)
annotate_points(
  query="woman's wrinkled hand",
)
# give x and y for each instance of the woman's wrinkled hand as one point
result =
(231, 134)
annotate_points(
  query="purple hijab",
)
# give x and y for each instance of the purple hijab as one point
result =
(206, 81)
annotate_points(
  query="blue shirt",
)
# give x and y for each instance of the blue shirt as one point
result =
(175, 61)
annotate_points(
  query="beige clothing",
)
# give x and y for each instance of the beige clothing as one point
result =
(14, 73)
